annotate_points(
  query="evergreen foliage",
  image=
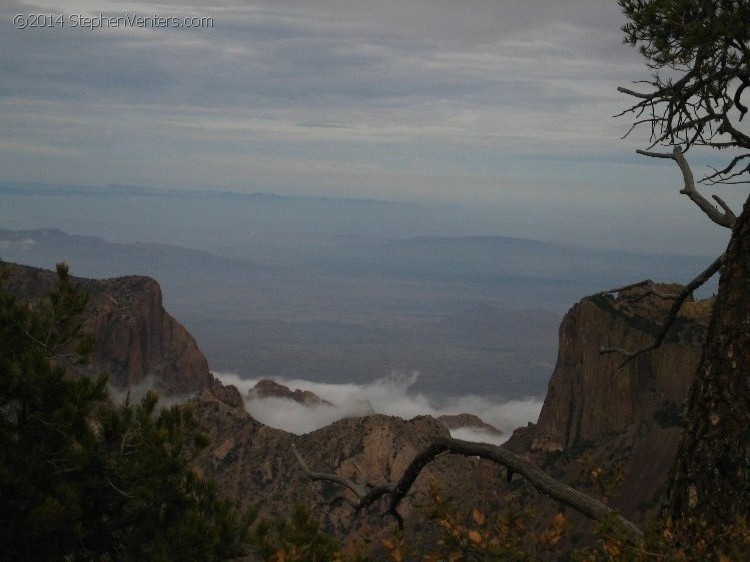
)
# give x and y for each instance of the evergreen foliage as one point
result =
(82, 479)
(699, 51)
(297, 539)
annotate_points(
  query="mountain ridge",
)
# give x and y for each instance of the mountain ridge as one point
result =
(624, 427)
(136, 339)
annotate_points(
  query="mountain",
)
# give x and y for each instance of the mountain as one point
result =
(508, 261)
(303, 320)
(91, 256)
(603, 430)
(137, 341)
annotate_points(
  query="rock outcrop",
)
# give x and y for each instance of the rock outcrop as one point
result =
(136, 339)
(623, 421)
(590, 395)
(468, 421)
(253, 464)
(267, 388)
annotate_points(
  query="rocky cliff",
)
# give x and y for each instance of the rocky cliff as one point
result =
(621, 422)
(590, 395)
(135, 337)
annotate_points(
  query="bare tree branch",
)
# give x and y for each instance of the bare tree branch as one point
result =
(698, 109)
(583, 503)
(652, 290)
(360, 490)
(625, 287)
(636, 95)
(727, 218)
(679, 300)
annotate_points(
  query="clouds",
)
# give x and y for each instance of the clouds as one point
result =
(390, 396)
(307, 80)
(497, 104)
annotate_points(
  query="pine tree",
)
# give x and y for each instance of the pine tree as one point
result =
(81, 478)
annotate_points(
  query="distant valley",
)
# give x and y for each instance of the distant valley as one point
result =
(441, 307)
(332, 290)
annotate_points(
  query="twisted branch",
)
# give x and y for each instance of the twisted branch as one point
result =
(679, 300)
(727, 218)
(583, 503)
(652, 290)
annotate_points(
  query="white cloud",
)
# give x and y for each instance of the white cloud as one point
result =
(390, 396)
(136, 392)
(478, 436)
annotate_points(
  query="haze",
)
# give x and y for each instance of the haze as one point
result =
(334, 191)
(502, 108)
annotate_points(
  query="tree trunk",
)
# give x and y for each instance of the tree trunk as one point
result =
(710, 485)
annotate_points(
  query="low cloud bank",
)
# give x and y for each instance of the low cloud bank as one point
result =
(388, 395)
(136, 392)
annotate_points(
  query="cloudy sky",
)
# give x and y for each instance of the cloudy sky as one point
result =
(505, 103)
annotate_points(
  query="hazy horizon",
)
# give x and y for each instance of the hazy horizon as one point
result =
(500, 113)
(133, 214)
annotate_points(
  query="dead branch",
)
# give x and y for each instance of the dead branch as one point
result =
(652, 290)
(679, 300)
(360, 490)
(727, 218)
(583, 503)
(625, 287)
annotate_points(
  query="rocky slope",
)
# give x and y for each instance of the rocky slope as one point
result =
(255, 465)
(136, 338)
(604, 429)
(610, 431)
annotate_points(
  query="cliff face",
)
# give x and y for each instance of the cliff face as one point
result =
(623, 421)
(590, 395)
(135, 337)
(622, 424)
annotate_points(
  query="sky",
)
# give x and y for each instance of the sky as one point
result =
(499, 104)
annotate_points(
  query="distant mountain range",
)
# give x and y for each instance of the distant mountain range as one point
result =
(478, 314)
